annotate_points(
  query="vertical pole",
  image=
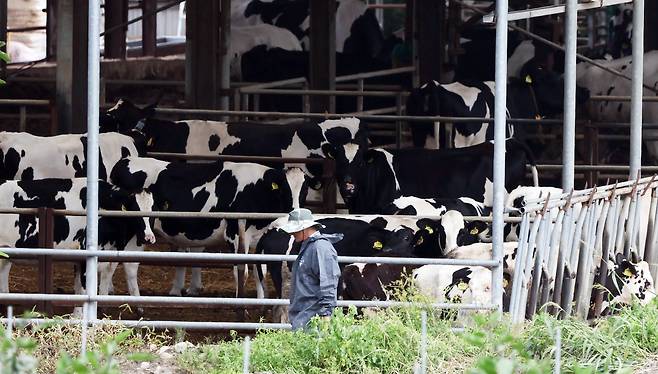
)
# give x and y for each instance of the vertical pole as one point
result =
(116, 12)
(322, 57)
(45, 276)
(428, 36)
(3, 35)
(149, 28)
(569, 134)
(202, 65)
(500, 111)
(10, 322)
(224, 58)
(93, 69)
(51, 29)
(636, 89)
(64, 71)
(423, 342)
(246, 353)
(650, 18)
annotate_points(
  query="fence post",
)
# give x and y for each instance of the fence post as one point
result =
(423, 342)
(329, 185)
(45, 276)
(246, 355)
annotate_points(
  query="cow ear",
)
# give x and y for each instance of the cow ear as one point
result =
(427, 225)
(328, 150)
(313, 182)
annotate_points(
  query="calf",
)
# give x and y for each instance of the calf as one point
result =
(27, 157)
(343, 140)
(374, 182)
(214, 187)
(115, 233)
(627, 282)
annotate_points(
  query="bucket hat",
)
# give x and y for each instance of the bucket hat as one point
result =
(298, 220)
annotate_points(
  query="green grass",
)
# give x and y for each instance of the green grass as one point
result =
(388, 343)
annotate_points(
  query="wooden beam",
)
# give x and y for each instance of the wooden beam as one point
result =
(149, 28)
(202, 65)
(322, 61)
(650, 22)
(51, 29)
(429, 39)
(71, 74)
(116, 13)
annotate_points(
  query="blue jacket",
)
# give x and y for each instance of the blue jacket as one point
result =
(315, 276)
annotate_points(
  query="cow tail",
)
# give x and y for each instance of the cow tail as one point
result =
(531, 161)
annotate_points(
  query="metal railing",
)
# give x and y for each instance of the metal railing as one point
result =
(23, 104)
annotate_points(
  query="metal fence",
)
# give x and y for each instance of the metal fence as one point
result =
(565, 239)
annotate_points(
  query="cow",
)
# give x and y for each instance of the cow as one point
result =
(115, 233)
(601, 82)
(343, 140)
(626, 282)
(412, 206)
(25, 156)
(357, 29)
(537, 95)
(214, 187)
(243, 39)
(375, 181)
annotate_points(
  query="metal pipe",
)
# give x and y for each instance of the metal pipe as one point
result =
(423, 342)
(500, 112)
(246, 353)
(569, 134)
(136, 256)
(30, 102)
(281, 91)
(93, 77)
(622, 98)
(191, 301)
(636, 89)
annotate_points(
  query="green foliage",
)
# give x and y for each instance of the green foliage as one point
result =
(3, 57)
(16, 355)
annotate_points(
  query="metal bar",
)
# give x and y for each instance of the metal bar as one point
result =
(321, 92)
(574, 251)
(554, 9)
(622, 98)
(375, 74)
(113, 300)
(540, 255)
(22, 122)
(423, 342)
(322, 54)
(636, 89)
(651, 252)
(116, 13)
(149, 29)
(246, 353)
(137, 256)
(24, 102)
(500, 109)
(25, 29)
(359, 99)
(224, 58)
(137, 19)
(569, 132)
(93, 74)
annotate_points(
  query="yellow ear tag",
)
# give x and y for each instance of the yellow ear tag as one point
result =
(150, 142)
(275, 186)
(528, 79)
(474, 231)
(123, 207)
(377, 245)
(505, 283)
(462, 286)
(628, 273)
(419, 241)
(429, 229)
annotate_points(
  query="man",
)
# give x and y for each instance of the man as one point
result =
(315, 272)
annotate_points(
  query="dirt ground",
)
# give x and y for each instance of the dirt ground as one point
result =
(153, 281)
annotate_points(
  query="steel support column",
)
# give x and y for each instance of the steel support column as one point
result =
(429, 42)
(116, 12)
(636, 89)
(93, 95)
(149, 28)
(650, 18)
(500, 117)
(202, 54)
(322, 57)
(569, 134)
(64, 72)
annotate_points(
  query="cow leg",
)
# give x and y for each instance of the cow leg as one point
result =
(78, 288)
(131, 269)
(261, 287)
(196, 284)
(179, 282)
(5, 266)
(106, 271)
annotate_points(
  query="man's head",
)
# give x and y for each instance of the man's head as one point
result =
(300, 224)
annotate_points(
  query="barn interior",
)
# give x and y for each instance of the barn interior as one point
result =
(197, 59)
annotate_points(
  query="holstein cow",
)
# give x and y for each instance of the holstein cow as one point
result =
(357, 29)
(376, 180)
(343, 140)
(115, 233)
(539, 94)
(245, 38)
(627, 282)
(214, 187)
(600, 82)
(27, 157)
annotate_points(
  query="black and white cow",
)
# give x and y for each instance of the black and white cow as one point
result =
(343, 140)
(600, 82)
(627, 282)
(374, 182)
(412, 206)
(243, 39)
(214, 187)
(27, 157)
(115, 233)
(539, 94)
(357, 29)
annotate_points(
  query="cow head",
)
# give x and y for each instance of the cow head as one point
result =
(140, 227)
(274, 194)
(384, 242)
(628, 282)
(544, 89)
(298, 182)
(435, 238)
(124, 117)
(370, 182)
